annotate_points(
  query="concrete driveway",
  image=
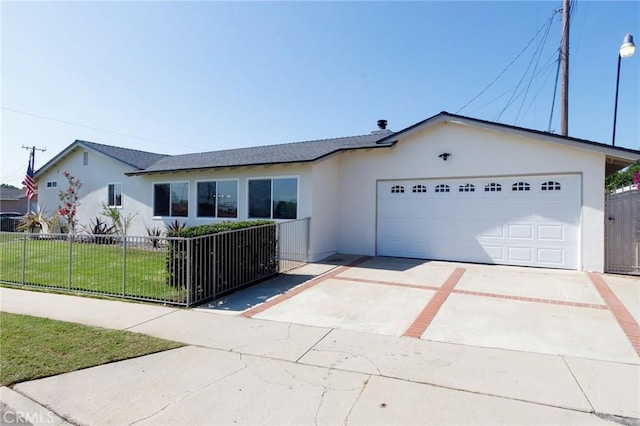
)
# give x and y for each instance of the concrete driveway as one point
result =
(362, 341)
(545, 311)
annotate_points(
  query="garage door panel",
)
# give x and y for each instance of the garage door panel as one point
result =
(552, 209)
(548, 256)
(494, 232)
(520, 254)
(537, 227)
(521, 231)
(551, 232)
(496, 253)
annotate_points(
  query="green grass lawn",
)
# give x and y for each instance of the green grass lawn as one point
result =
(32, 348)
(94, 267)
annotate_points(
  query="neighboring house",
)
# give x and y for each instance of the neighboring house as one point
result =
(15, 200)
(449, 187)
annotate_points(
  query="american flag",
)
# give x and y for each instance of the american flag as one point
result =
(28, 178)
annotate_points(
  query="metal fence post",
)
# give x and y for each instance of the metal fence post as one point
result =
(24, 259)
(70, 238)
(189, 283)
(124, 265)
(214, 263)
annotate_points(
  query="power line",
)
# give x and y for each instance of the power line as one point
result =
(517, 95)
(95, 128)
(542, 41)
(539, 52)
(510, 63)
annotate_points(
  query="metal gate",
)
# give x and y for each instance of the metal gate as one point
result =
(622, 233)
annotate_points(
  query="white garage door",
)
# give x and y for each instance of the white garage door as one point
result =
(519, 220)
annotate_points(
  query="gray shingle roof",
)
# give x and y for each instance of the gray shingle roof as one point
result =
(269, 154)
(138, 159)
(12, 193)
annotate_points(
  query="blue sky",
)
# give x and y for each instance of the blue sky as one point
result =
(179, 77)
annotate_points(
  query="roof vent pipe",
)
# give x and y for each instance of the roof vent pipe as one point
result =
(382, 124)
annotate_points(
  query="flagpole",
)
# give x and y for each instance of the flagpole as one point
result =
(31, 166)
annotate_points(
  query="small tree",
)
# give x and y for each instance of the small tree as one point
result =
(70, 203)
(120, 223)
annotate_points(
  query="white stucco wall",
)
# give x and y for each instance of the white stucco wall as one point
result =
(137, 191)
(474, 153)
(95, 176)
(324, 230)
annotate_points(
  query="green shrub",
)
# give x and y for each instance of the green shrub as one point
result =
(221, 261)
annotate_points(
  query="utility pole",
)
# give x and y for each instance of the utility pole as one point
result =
(31, 169)
(564, 56)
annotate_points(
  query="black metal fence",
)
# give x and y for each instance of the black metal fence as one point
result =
(169, 270)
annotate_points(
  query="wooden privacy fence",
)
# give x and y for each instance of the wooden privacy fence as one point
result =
(622, 233)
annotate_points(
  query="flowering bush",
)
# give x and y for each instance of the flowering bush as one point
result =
(69, 198)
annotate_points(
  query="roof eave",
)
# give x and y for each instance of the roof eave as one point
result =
(69, 149)
(310, 160)
(612, 152)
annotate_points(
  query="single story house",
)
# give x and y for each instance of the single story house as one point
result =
(449, 187)
(15, 200)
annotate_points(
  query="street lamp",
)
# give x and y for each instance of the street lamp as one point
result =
(626, 49)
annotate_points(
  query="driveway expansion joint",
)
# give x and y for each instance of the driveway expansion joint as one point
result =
(593, 410)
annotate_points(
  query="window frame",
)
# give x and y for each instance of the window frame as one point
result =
(271, 207)
(493, 187)
(551, 186)
(419, 189)
(467, 187)
(51, 184)
(170, 183)
(521, 186)
(217, 181)
(442, 188)
(116, 206)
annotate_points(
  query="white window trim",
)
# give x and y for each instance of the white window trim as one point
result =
(54, 184)
(121, 194)
(237, 181)
(249, 179)
(153, 199)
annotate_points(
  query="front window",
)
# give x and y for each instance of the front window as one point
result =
(273, 198)
(114, 197)
(171, 199)
(218, 199)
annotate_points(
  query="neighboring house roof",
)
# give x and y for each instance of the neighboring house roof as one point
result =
(12, 194)
(296, 152)
(617, 157)
(132, 157)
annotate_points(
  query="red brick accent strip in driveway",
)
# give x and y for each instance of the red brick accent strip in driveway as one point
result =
(625, 319)
(429, 312)
(288, 295)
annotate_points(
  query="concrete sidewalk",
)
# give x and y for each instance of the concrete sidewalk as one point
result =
(249, 371)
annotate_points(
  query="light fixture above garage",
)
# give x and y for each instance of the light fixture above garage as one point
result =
(444, 156)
